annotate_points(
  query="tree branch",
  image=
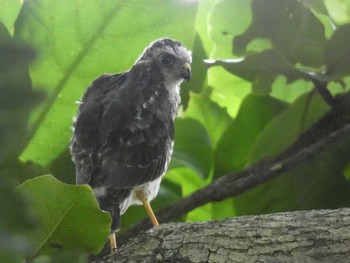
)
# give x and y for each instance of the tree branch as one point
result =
(302, 236)
(331, 130)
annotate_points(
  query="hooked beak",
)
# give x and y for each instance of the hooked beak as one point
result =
(186, 71)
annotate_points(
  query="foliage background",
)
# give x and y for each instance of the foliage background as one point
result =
(232, 114)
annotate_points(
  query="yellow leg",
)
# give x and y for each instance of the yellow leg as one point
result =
(141, 196)
(113, 242)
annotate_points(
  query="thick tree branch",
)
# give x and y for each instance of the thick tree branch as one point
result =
(328, 132)
(302, 236)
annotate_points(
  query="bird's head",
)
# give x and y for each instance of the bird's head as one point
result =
(171, 58)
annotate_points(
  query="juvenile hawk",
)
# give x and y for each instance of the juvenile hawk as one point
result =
(124, 129)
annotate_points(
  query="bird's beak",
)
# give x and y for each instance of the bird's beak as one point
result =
(186, 71)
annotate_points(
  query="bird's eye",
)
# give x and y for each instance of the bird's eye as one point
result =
(166, 59)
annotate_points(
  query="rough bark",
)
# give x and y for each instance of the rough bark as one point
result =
(302, 236)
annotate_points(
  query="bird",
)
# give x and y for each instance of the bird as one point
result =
(123, 133)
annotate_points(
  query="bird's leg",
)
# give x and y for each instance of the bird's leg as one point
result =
(141, 196)
(113, 242)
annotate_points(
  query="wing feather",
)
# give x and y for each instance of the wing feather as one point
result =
(123, 132)
(86, 127)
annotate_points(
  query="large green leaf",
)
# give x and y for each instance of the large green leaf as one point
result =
(214, 118)
(339, 11)
(69, 215)
(192, 147)
(228, 89)
(9, 12)
(189, 181)
(232, 152)
(317, 184)
(227, 19)
(293, 30)
(285, 128)
(337, 53)
(204, 7)
(79, 41)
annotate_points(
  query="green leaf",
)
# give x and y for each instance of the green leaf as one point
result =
(9, 12)
(190, 181)
(339, 11)
(222, 209)
(293, 30)
(285, 128)
(233, 148)
(337, 53)
(69, 215)
(214, 118)
(347, 172)
(316, 184)
(262, 69)
(228, 90)
(227, 19)
(203, 11)
(78, 42)
(192, 147)
(316, 5)
(232, 152)
(289, 92)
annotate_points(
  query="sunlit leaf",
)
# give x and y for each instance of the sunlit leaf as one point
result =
(293, 30)
(190, 182)
(338, 10)
(214, 118)
(79, 41)
(203, 11)
(226, 20)
(8, 12)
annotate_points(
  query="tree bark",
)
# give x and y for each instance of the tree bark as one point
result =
(302, 236)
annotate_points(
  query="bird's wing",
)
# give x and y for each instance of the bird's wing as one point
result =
(135, 141)
(85, 139)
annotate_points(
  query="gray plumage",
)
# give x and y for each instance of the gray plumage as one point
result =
(124, 128)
